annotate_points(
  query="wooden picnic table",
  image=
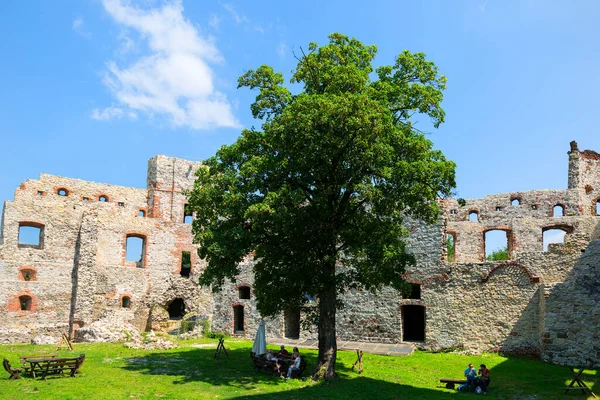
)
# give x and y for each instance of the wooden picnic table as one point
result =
(47, 366)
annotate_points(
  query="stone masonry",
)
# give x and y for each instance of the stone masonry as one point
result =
(78, 275)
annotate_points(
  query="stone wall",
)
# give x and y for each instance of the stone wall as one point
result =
(536, 302)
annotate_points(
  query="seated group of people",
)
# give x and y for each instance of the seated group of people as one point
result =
(283, 355)
(477, 379)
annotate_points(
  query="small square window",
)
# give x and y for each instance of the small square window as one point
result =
(121, 204)
(40, 193)
(498, 208)
(85, 199)
(452, 212)
(534, 207)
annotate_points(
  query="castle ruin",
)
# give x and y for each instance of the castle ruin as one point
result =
(74, 253)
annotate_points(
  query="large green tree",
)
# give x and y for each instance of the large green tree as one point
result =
(320, 193)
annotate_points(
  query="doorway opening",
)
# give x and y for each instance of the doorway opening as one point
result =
(413, 323)
(176, 309)
(238, 319)
(292, 323)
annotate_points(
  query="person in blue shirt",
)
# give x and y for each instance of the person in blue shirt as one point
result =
(471, 376)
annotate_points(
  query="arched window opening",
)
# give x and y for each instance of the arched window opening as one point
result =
(176, 309)
(135, 249)
(473, 216)
(187, 214)
(244, 292)
(103, 198)
(558, 211)
(141, 213)
(453, 212)
(497, 245)
(553, 235)
(598, 207)
(25, 303)
(186, 264)
(515, 201)
(27, 274)
(238, 319)
(450, 247)
(31, 235)
(126, 302)
(62, 192)
(498, 208)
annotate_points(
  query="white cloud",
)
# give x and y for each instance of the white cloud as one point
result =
(77, 26)
(111, 112)
(174, 79)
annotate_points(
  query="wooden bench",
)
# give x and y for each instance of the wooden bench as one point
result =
(261, 364)
(55, 366)
(14, 372)
(451, 382)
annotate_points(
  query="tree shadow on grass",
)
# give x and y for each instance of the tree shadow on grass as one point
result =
(198, 365)
(513, 378)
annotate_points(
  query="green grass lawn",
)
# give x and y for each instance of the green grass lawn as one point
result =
(112, 371)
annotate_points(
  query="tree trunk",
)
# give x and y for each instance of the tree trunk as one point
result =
(327, 341)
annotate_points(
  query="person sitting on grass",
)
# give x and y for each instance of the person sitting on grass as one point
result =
(484, 378)
(295, 366)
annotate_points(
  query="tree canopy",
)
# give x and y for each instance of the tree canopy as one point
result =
(319, 194)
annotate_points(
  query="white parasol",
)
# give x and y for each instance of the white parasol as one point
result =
(260, 342)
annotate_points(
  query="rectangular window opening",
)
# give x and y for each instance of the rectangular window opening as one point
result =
(135, 250)
(31, 236)
(186, 264)
(187, 214)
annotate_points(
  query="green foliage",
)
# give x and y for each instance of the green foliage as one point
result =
(328, 181)
(450, 248)
(205, 328)
(217, 335)
(461, 202)
(498, 255)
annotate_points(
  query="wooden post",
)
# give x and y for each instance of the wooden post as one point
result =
(65, 339)
(358, 361)
(221, 347)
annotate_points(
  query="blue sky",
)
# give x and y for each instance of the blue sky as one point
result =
(91, 89)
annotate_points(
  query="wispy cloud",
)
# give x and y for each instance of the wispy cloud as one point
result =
(214, 21)
(482, 6)
(111, 113)
(281, 49)
(174, 78)
(234, 14)
(78, 28)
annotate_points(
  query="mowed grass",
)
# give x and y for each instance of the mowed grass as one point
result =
(112, 371)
